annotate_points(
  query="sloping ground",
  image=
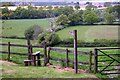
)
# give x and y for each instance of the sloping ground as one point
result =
(89, 33)
(17, 27)
(12, 70)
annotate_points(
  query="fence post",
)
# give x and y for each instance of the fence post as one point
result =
(67, 61)
(48, 54)
(8, 51)
(29, 49)
(90, 60)
(45, 54)
(75, 52)
(38, 58)
(95, 60)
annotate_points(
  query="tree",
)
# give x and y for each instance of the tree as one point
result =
(116, 8)
(109, 9)
(107, 4)
(65, 10)
(51, 39)
(75, 19)
(49, 7)
(90, 17)
(90, 6)
(33, 31)
(5, 13)
(62, 20)
(77, 7)
(109, 18)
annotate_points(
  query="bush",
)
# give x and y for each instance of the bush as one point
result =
(33, 32)
(51, 39)
(96, 43)
(41, 37)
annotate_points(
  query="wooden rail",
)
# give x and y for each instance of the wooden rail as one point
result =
(12, 37)
(9, 45)
(67, 60)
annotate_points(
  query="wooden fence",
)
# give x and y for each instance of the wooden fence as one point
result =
(67, 60)
(9, 52)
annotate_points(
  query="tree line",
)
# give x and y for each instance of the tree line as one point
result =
(66, 15)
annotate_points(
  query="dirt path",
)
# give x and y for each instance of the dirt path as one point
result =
(6, 62)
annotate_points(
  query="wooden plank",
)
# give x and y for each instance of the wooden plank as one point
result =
(29, 48)
(107, 48)
(49, 54)
(37, 46)
(58, 59)
(58, 49)
(110, 54)
(45, 54)
(12, 37)
(104, 60)
(78, 52)
(95, 60)
(75, 52)
(3, 44)
(19, 45)
(90, 60)
(111, 70)
(38, 58)
(8, 51)
(13, 53)
(67, 60)
(111, 73)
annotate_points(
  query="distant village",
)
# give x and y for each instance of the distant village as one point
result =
(82, 5)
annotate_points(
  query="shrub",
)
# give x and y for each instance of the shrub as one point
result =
(96, 43)
(51, 39)
(41, 37)
(33, 31)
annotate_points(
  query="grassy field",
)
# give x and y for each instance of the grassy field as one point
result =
(17, 27)
(89, 33)
(11, 70)
(86, 33)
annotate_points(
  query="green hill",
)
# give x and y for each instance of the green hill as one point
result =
(17, 27)
(89, 33)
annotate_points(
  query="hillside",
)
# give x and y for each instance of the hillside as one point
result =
(89, 33)
(86, 33)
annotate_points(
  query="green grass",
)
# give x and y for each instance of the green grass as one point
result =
(89, 33)
(85, 33)
(17, 27)
(17, 71)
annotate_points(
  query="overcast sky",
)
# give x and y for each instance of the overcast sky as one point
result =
(59, 0)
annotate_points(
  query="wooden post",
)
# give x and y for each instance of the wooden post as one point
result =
(90, 61)
(45, 54)
(8, 51)
(48, 54)
(34, 60)
(67, 61)
(75, 52)
(95, 60)
(29, 50)
(38, 58)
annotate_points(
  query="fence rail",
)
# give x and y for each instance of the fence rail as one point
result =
(9, 52)
(67, 60)
(12, 37)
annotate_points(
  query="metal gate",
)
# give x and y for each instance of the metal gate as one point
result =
(107, 60)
